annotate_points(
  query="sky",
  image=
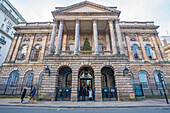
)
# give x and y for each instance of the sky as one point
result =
(131, 10)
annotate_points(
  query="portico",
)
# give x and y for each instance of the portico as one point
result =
(96, 24)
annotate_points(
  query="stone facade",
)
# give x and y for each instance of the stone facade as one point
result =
(45, 54)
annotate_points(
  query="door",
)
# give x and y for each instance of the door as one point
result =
(87, 84)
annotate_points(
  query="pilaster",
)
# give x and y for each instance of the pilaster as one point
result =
(12, 48)
(16, 48)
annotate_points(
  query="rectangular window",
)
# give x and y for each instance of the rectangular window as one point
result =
(2, 26)
(2, 37)
(71, 47)
(5, 20)
(11, 33)
(7, 29)
(100, 48)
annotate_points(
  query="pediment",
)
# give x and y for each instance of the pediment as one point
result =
(86, 6)
(86, 9)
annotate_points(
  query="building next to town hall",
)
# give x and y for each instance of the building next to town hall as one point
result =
(166, 45)
(9, 17)
(86, 46)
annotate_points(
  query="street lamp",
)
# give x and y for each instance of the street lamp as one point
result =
(161, 79)
(125, 71)
(47, 70)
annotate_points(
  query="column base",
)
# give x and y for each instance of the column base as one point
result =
(57, 55)
(97, 54)
(49, 54)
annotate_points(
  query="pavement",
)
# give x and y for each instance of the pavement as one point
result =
(15, 102)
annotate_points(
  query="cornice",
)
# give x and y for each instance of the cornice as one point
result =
(85, 3)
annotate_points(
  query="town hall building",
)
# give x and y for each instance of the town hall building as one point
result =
(86, 46)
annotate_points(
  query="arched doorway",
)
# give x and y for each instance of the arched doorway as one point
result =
(86, 83)
(109, 91)
(63, 89)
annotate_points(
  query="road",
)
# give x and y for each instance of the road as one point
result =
(57, 110)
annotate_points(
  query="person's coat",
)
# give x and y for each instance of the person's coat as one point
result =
(33, 91)
(90, 93)
(84, 91)
(23, 93)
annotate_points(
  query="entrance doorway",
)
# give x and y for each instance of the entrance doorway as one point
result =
(109, 91)
(63, 89)
(86, 89)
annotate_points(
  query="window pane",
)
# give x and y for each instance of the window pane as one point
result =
(71, 47)
(135, 51)
(143, 79)
(29, 79)
(148, 50)
(100, 48)
(13, 79)
(158, 84)
(23, 52)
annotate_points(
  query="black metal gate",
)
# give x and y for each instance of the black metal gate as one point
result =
(109, 94)
(63, 94)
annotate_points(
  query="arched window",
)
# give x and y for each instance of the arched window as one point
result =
(135, 52)
(158, 83)
(29, 79)
(13, 79)
(148, 50)
(23, 52)
(143, 79)
(36, 52)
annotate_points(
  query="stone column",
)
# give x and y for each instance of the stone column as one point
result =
(145, 57)
(76, 44)
(129, 48)
(113, 38)
(12, 48)
(30, 47)
(158, 54)
(53, 36)
(74, 93)
(119, 37)
(161, 48)
(107, 43)
(64, 43)
(95, 36)
(97, 81)
(59, 39)
(16, 48)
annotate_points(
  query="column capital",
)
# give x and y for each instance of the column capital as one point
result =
(77, 21)
(94, 20)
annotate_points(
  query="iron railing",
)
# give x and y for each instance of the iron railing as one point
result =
(109, 94)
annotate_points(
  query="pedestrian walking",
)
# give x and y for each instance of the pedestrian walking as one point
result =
(83, 93)
(90, 94)
(23, 94)
(32, 94)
